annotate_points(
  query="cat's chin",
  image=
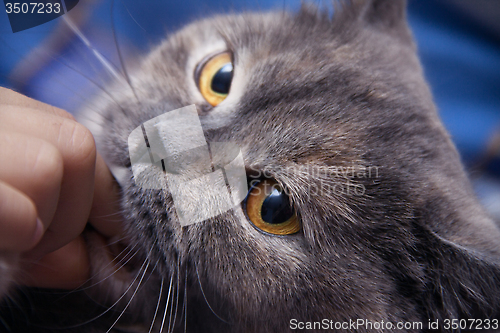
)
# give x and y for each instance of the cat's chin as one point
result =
(119, 276)
(113, 267)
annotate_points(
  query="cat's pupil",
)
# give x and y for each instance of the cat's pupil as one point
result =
(221, 81)
(276, 208)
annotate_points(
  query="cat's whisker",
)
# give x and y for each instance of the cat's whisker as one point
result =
(157, 306)
(171, 309)
(166, 304)
(178, 291)
(155, 266)
(118, 240)
(206, 300)
(171, 306)
(185, 300)
(106, 64)
(119, 52)
(119, 263)
(175, 292)
(102, 60)
(132, 17)
(42, 52)
(152, 271)
(132, 297)
(95, 83)
(145, 263)
(4, 324)
(110, 215)
(172, 322)
(81, 288)
(8, 301)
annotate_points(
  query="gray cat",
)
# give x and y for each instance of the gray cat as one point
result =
(374, 225)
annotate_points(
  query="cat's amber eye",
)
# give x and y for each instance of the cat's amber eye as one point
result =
(214, 78)
(269, 208)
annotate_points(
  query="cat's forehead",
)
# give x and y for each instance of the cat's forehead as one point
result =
(234, 32)
(251, 37)
(304, 40)
(275, 55)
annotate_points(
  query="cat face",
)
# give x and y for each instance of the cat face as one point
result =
(337, 113)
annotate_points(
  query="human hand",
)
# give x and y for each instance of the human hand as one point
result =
(52, 182)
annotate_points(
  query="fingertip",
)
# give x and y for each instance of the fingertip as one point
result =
(65, 268)
(20, 228)
(38, 234)
(105, 215)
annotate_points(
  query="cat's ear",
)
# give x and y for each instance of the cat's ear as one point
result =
(466, 276)
(384, 15)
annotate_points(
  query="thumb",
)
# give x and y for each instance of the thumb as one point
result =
(105, 215)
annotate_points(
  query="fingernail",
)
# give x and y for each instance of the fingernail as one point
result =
(38, 232)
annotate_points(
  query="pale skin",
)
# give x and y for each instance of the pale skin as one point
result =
(52, 183)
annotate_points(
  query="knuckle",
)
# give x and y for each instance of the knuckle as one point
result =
(81, 144)
(28, 217)
(5, 92)
(48, 167)
(63, 114)
(19, 214)
(30, 210)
